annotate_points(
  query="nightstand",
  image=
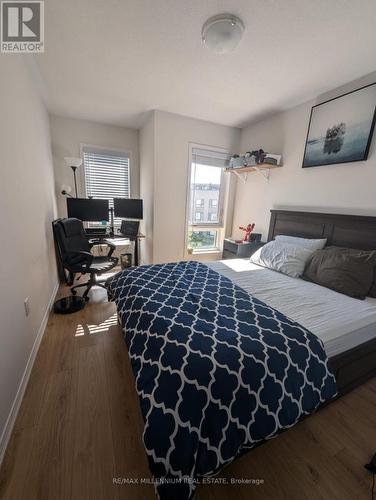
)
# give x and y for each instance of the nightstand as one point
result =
(233, 250)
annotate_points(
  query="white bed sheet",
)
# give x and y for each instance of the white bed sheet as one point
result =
(341, 322)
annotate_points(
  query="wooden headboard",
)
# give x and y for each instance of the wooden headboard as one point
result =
(352, 231)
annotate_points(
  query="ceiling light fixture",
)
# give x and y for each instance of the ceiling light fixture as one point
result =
(222, 33)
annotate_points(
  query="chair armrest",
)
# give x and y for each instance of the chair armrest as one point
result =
(82, 259)
(111, 246)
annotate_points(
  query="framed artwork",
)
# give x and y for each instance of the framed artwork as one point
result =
(340, 130)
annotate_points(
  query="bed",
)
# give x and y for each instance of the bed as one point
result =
(355, 365)
(224, 359)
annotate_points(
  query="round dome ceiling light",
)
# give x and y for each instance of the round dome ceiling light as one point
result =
(222, 33)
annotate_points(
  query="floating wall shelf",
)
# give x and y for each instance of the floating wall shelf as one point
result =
(262, 168)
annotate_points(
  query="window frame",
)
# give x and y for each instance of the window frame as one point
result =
(220, 225)
(221, 200)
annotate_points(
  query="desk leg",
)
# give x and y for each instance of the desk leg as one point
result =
(136, 252)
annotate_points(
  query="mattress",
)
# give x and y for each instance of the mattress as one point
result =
(341, 322)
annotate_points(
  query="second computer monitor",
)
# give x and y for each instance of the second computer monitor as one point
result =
(128, 208)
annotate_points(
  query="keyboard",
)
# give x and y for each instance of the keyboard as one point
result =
(92, 231)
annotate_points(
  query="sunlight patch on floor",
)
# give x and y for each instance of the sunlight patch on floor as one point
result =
(89, 329)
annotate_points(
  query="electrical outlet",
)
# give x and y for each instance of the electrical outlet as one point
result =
(27, 306)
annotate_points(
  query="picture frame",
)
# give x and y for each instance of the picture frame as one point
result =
(340, 130)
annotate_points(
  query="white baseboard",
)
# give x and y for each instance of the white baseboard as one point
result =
(9, 424)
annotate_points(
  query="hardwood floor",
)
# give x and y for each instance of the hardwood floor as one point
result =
(80, 427)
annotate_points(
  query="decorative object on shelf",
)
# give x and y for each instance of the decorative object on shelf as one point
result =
(272, 159)
(254, 161)
(254, 157)
(340, 129)
(249, 159)
(73, 163)
(248, 230)
(237, 161)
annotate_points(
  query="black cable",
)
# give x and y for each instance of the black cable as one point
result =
(373, 486)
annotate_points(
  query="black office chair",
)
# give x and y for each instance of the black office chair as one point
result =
(74, 250)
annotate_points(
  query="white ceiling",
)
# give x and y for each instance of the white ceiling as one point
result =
(113, 60)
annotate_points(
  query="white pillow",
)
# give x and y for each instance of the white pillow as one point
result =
(283, 257)
(305, 242)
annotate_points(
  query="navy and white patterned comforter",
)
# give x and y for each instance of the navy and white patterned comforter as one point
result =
(216, 370)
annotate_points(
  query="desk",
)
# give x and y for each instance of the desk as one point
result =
(115, 240)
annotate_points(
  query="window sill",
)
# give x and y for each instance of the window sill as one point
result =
(203, 252)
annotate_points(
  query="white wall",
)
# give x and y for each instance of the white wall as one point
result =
(67, 135)
(27, 208)
(147, 166)
(173, 134)
(346, 188)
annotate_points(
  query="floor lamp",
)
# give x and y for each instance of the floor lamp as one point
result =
(73, 163)
(72, 303)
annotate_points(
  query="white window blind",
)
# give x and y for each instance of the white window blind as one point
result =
(212, 158)
(107, 175)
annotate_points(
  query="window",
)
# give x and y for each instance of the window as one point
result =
(203, 240)
(107, 175)
(207, 188)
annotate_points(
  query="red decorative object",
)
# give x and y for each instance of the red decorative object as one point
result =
(248, 230)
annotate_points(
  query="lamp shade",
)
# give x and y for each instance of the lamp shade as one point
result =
(71, 161)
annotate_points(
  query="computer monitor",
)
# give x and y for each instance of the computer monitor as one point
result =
(128, 208)
(129, 228)
(89, 210)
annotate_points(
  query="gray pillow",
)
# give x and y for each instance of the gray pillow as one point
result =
(311, 243)
(366, 255)
(342, 271)
(282, 257)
